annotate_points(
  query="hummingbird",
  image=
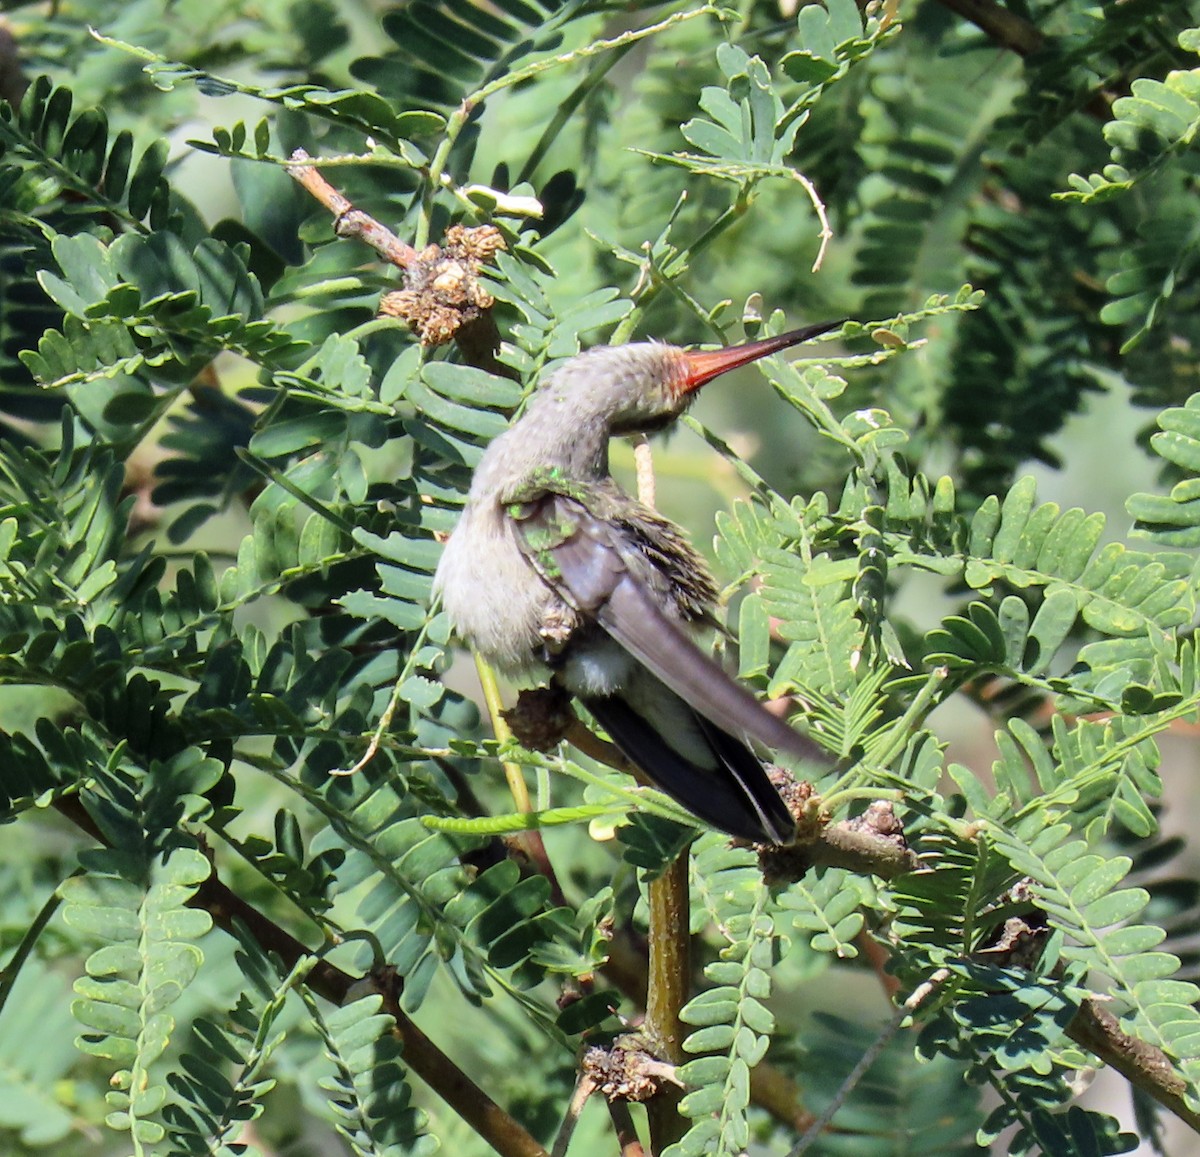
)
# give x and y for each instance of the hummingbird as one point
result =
(554, 569)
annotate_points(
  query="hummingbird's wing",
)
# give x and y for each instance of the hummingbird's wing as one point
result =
(599, 570)
(734, 796)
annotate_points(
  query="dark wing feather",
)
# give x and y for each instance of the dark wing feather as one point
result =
(736, 797)
(633, 619)
(596, 569)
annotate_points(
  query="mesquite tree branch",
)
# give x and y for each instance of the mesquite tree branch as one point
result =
(498, 1128)
(1003, 26)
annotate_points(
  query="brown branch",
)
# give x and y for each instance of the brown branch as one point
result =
(770, 1088)
(479, 343)
(1141, 1064)
(585, 1086)
(500, 1130)
(871, 844)
(627, 1136)
(1093, 1027)
(878, 956)
(862, 852)
(584, 739)
(1016, 34)
(347, 220)
(442, 297)
(874, 843)
(773, 1090)
(534, 846)
(13, 81)
(1002, 25)
(544, 717)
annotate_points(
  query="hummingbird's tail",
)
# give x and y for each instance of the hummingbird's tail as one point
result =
(729, 790)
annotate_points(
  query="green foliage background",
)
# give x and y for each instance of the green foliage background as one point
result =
(222, 485)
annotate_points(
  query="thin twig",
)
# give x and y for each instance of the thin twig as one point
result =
(500, 1130)
(818, 205)
(389, 712)
(627, 1136)
(381, 729)
(878, 956)
(869, 1057)
(584, 739)
(10, 972)
(585, 1086)
(347, 220)
(513, 775)
(567, 109)
(863, 852)
(594, 48)
(461, 116)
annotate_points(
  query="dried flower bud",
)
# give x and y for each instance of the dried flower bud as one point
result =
(441, 290)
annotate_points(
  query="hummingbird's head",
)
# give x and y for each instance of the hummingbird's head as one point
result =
(644, 386)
